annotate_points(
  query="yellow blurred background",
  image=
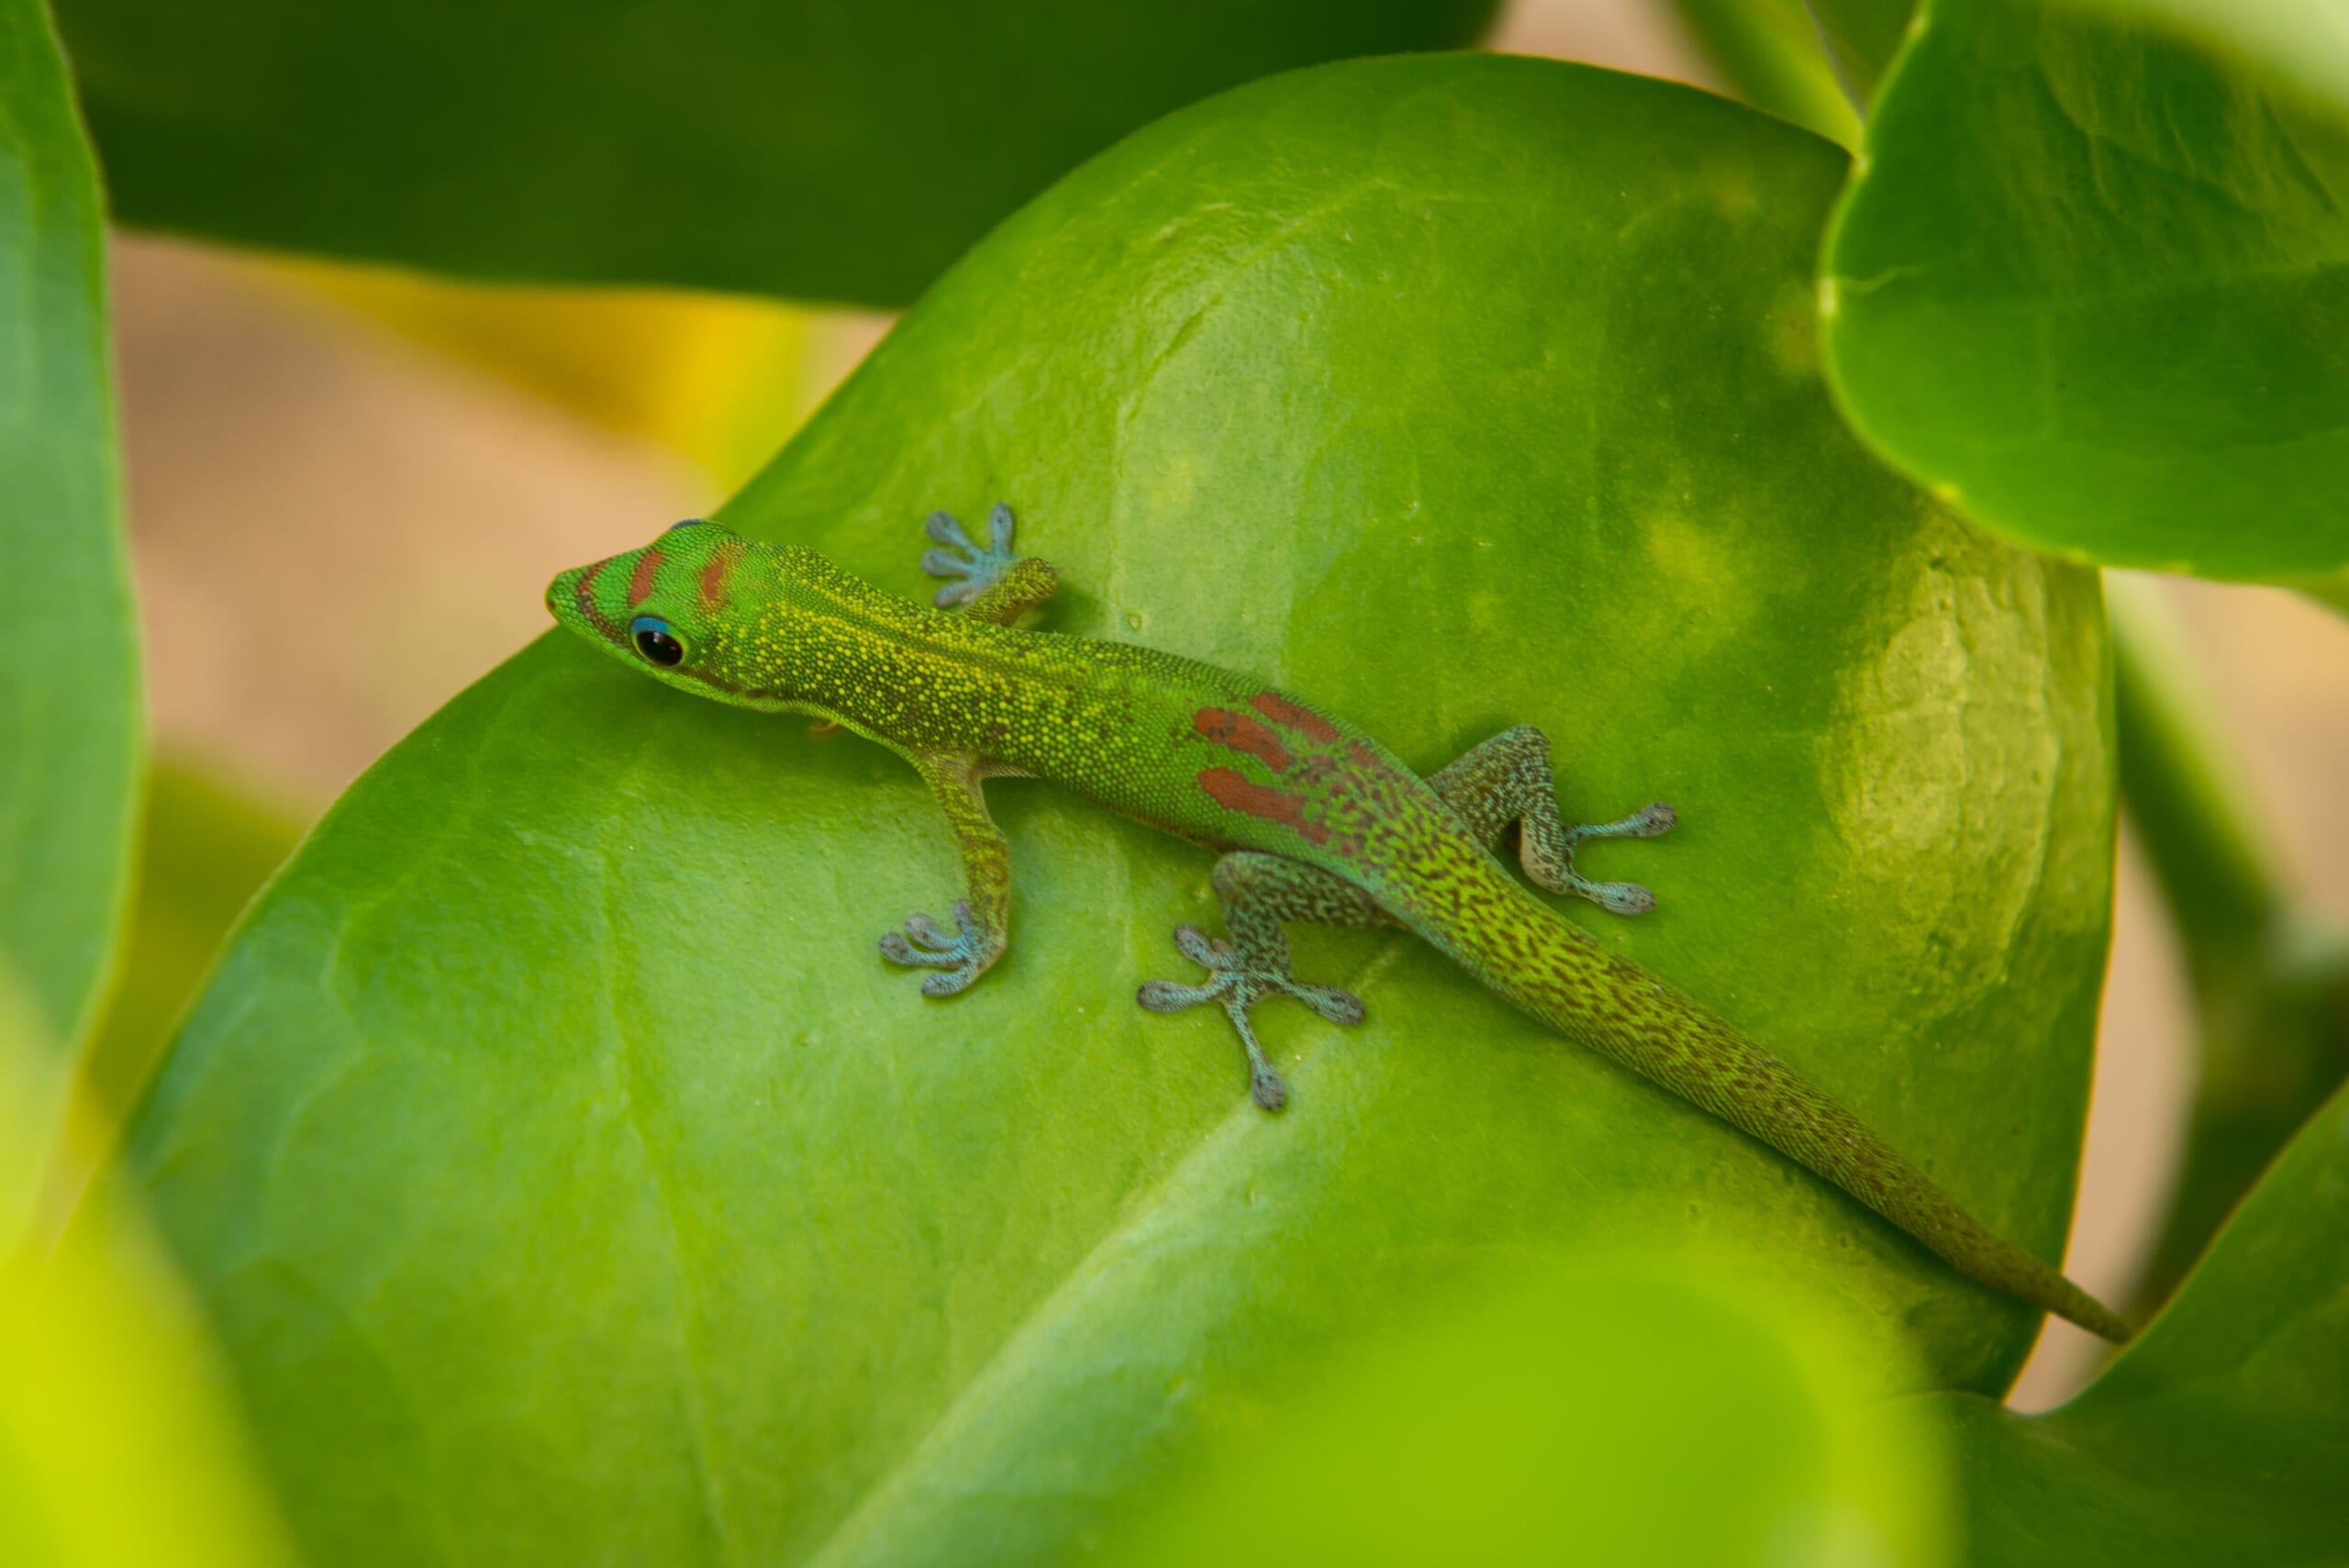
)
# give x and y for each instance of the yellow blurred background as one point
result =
(348, 486)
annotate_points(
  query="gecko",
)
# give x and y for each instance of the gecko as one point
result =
(1312, 819)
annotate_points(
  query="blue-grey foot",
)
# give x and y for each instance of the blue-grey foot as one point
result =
(1236, 986)
(959, 957)
(973, 568)
(1622, 897)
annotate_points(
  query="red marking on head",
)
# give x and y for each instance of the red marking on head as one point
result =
(1241, 733)
(1230, 789)
(1283, 712)
(589, 607)
(639, 585)
(714, 576)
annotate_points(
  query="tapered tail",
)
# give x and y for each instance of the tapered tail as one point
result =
(1546, 967)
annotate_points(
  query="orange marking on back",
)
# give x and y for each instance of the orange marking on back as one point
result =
(640, 584)
(714, 576)
(1241, 733)
(1283, 712)
(1230, 790)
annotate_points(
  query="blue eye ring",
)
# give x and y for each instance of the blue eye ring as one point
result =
(653, 639)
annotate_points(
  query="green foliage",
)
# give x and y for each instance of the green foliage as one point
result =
(117, 1448)
(569, 1181)
(2093, 281)
(843, 149)
(2221, 1435)
(1570, 1421)
(569, 1177)
(70, 728)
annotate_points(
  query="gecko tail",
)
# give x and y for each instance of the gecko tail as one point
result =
(1560, 976)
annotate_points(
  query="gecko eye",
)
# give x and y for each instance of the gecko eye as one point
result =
(655, 640)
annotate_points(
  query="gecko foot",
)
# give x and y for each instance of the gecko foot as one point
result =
(1648, 821)
(1237, 986)
(959, 959)
(975, 569)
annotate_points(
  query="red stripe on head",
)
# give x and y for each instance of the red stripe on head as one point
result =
(1241, 733)
(715, 576)
(588, 607)
(1233, 792)
(640, 584)
(1287, 715)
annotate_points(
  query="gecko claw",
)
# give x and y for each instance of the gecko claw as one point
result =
(976, 568)
(961, 958)
(1648, 821)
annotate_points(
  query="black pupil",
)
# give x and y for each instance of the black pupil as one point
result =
(659, 646)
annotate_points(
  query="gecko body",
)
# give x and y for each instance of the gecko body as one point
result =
(1313, 820)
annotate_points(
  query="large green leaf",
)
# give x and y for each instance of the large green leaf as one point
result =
(843, 149)
(570, 1178)
(70, 726)
(1597, 1415)
(2223, 1434)
(2092, 281)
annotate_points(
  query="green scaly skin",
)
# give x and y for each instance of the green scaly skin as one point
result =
(1314, 819)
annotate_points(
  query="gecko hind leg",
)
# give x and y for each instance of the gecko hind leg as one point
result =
(1259, 892)
(1509, 780)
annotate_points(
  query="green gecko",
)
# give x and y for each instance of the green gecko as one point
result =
(1314, 820)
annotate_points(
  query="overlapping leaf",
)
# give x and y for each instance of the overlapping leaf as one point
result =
(70, 728)
(2221, 1435)
(2093, 281)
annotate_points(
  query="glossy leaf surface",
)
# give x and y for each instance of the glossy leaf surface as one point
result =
(70, 726)
(572, 1179)
(2093, 281)
(838, 149)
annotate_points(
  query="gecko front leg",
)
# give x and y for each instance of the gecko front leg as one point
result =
(990, 582)
(983, 916)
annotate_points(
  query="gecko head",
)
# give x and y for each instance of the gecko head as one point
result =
(658, 607)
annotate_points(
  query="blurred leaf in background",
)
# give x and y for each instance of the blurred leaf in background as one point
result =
(721, 380)
(1770, 50)
(1628, 1416)
(120, 1446)
(2092, 280)
(1860, 38)
(2269, 969)
(2221, 1435)
(825, 150)
(564, 1170)
(205, 849)
(71, 730)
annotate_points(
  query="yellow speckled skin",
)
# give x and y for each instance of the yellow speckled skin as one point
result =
(1317, 822)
